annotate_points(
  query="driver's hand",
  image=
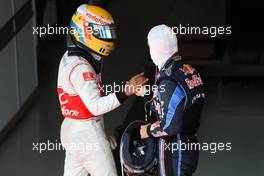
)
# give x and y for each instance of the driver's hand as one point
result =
(143, 131)
(135, 84)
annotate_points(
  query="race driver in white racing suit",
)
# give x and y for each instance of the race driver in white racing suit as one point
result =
(81, 97)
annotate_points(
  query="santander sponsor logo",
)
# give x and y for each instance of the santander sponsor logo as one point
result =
(68, 112)
(97, 20)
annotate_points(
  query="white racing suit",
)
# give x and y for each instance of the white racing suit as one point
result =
(82, 132)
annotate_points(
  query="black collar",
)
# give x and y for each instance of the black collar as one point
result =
(75, 50)
(176, 57)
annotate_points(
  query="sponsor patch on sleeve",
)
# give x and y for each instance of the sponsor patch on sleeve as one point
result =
(89, 76)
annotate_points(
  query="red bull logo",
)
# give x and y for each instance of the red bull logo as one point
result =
(194, 82)
(187, 69)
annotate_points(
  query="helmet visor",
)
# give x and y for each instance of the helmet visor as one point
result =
(104, 32)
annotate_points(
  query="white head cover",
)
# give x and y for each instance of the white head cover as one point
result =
(162, 44)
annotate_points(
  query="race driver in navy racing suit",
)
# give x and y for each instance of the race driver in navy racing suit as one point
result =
(176, 106)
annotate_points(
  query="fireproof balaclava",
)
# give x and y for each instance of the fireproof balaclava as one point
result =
(162, 44)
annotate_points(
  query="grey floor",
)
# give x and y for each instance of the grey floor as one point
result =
(237, 117)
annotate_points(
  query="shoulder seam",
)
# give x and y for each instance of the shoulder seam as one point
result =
(74, 67)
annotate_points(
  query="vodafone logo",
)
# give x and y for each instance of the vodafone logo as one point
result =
(97, 20)
(72, 106)
(62, 102)
(67, 112)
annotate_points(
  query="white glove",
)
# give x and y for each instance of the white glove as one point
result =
(112, 142)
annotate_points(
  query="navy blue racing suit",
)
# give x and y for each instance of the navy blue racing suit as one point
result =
(176, 107)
